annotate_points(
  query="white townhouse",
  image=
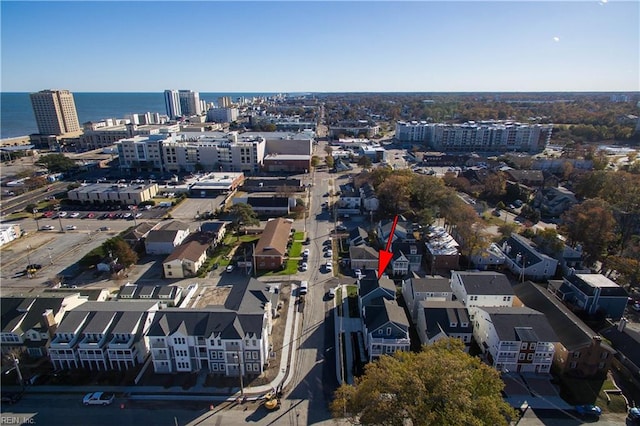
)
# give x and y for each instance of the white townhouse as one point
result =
(515, 339)
(523, 259)
(386, 328)
(416, 290)
(229, 340)
(103, 336)
(481, 288)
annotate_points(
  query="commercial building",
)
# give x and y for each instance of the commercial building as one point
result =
(214, 184)
(107, 193)
(272, 247)
(355, 128)
(143, 153)
(172, 103)
(55, 112)
(483, 136)
(222, 115)
(9, 232)
(107, 132)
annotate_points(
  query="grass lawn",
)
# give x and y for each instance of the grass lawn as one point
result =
(291, 269)
(19, 215)
(296, 249)
(298, 236)
(232, 240)
(581, 391)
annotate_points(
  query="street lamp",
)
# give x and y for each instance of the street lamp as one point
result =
(50, 249)
(237, 358)
(35, 216)
(59, 219)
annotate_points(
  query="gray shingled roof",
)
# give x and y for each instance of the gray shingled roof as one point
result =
(377, 316)
(520, 323)
(204, 323)
(571, 330)
(485, 283)
(368, 285)
(430, 283)
(440, 315)
(25, 313)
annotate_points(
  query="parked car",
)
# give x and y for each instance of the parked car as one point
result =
(104, 228)
(329, 266)
(496, 213)
(215, 266)
(229, 268)
(589, 410)
(62, 214)
(71, 227)
(34, 266)
(634, 413)
(332, 293)
(328, 253)
(74, 215)
(341, 228)
(304, 266)
(307, 241)
(47, 228)
(98, 398)
(305, 253)
(11, 397)
(636, 307)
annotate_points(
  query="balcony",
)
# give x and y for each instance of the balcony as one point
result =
(121, 343)
(388, 342)
(158, 344)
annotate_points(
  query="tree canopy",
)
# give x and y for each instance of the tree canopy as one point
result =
(591, 224)
(57, 163)
(242, 215)
(442, 385)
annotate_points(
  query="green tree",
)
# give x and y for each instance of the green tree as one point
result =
(242, 215)
(57, 163)
(121, 250)
(442, 385)
(364, 162)
(590, 224)
(330, 161)
(315, 161)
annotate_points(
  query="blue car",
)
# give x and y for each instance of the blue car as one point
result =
(589, 410)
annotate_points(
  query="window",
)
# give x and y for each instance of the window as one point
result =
(529, 357)
(380, 331)
(388, 331)
(389, 349)
(532, 345)
(573, 364)
(576, 354)
(249, 367)
(521, 357)
(523, 345)
(214, 366)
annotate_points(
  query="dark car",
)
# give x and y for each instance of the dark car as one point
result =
(34, 266)
(11, 397)
(215, 265)
(307, 241)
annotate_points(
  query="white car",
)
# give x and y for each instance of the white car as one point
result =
(304, 266)
(306, 252)
(62, 214)
(229, 268)
(74, 215)
(328, 253)
(47, 228)
(71, 227)
(138, 215)
(329, 266)
(98, 398)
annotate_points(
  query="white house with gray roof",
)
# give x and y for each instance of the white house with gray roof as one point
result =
(523, 259)
(229, 340)
(416, 290)
(166, 238)
(515, 339)
(481, 288)
(386, 329)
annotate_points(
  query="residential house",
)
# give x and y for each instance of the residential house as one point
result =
(272, 247)
(358, 236)
(370, 202)
(406, 258)
(135, 236)
(592, 293)
(443, 319)
(515, 339)
(416, 290)
(386, 329)
(481, 288)
(442, 250)
(28, 323)
(489, 259)
(167, 237)
(103, 336)
(401, 233)
(523, 259)
(580, 351)
(185, 260)
(215, 229)
(228, 340)
(532, 178)
(349, 202)
(363, 257)
(371, 288)
(552, 202)
(164, 295)
(268, 206)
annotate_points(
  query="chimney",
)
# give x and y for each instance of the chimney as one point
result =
(50, 322)
(622, 324)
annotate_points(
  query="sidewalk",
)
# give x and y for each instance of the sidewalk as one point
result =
(198, 391)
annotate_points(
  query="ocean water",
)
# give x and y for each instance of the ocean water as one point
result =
(17, 119)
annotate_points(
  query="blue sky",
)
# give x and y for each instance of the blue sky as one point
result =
(267, 46)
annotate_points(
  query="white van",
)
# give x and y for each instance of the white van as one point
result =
(304, 287)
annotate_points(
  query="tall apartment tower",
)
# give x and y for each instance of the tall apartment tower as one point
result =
(224, 102)
(189, 102)
(172, 103)
(55, 112)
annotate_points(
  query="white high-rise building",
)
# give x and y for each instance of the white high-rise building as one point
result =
(189, 102)
(172, 103)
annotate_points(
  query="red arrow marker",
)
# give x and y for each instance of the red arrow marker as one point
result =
(384, 256)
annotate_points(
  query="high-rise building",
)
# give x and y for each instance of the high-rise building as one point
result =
(189, 102)
(172, 104)
(224, 101)
(55, 112)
